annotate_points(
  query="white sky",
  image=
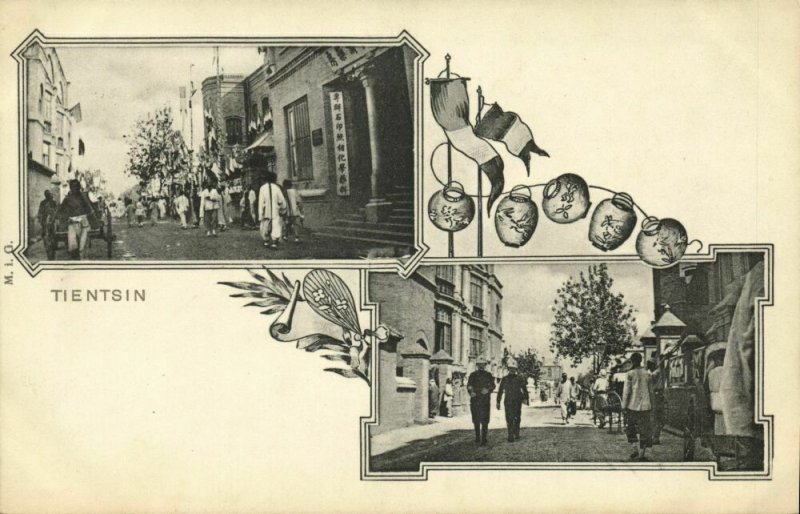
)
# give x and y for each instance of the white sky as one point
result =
(117, 85)
(530, 289)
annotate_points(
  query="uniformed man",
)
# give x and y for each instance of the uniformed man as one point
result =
(480, 385)
(514, 388)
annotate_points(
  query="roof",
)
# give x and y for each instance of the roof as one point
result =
(441, 355)
(669, 320)
(648, 336)
(40, 168)
(265, 140)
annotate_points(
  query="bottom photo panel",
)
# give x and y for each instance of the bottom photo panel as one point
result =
(571, 364)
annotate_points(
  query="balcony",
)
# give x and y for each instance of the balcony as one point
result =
(445, 287)
(477, 312)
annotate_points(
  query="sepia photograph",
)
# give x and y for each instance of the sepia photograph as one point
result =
(214, 152)
(587, 362)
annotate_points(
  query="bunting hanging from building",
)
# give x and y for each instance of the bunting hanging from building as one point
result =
(509, 129)
(450, 104)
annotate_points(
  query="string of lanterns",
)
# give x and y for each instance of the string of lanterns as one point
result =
(565, 199)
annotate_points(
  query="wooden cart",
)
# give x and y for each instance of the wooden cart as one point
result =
(56, 233)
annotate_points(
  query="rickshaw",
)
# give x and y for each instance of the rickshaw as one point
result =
(100, 228)
(605, 405)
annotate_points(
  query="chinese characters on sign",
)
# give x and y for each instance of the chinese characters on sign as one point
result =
(340, 144)
(340, 56)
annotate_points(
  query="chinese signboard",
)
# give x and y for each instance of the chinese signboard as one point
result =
(340, 144)
(340, 56)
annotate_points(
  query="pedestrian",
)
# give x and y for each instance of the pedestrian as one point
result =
(222, 221)
(574, 393)
(515, 390)
(140, 211)
(153, 212)
(480, 385)
(196, 202)
(448, 397)
(182, 207)
(227, 206)
(658, 400)
(47, 209)
(162, 208)
(599, 398)
(209, 208)
(271, 205)
(637, 400)
(77, 210)
(130, 211)
(563, 397)
(294, 210)
(252, 208)
(433, 399)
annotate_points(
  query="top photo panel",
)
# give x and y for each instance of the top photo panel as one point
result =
(219, 150)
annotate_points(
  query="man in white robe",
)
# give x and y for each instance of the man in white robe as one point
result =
(271, 206)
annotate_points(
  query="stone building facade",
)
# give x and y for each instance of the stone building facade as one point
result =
(448, 317)
(50, 137)
(337, 122)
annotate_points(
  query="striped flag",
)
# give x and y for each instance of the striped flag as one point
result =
(508, 128)
(450, 105)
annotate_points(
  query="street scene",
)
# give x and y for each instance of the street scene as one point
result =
(307, 151)
(613, 362)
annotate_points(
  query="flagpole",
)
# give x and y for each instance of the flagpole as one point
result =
(219, 96)
(480, 181)
(449, 164)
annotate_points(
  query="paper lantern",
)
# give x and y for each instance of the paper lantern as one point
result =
(516, 217)
(613, 222)
(661, 243)
(451, 209)
(566, 199)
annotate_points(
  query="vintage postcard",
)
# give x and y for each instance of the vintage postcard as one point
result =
(399, 256)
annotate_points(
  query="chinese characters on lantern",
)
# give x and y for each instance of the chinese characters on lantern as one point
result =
(340, 144)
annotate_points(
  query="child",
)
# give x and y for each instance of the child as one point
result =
(294, 210)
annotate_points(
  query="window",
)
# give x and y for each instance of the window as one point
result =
(444, 338)
(48, 111)
(265, 105)
(476, 346)
(254, 113)
(299, 140)
(476, 296)
(497, 317)
(445, 280)
(46, 154)
(41, 99)
(233, 131)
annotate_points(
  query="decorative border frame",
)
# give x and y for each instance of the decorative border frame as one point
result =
(405, 269)
(713, 473)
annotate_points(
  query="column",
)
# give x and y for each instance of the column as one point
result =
(378, 208)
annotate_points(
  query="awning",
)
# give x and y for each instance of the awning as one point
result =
(265, 140)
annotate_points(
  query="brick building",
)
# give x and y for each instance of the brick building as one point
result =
(338, 122)
(50, 136)
(448, 316)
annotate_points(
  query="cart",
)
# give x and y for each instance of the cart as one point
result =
(56, 232)
(604, 407)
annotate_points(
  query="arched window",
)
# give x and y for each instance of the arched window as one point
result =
(233, 130)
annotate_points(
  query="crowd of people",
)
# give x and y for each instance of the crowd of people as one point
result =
(275, 210)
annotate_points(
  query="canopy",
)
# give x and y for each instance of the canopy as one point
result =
(265, 140)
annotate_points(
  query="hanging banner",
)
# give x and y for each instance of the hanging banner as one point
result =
(340, 144)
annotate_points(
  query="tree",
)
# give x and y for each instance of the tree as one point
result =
(590, 320)
(528, 364)
(157, 153)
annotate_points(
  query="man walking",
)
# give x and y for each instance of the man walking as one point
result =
(182, 207)
(271, 205)
(433, 399)
(515, 390)
(563, 396)
(637, 400)
(480, 385)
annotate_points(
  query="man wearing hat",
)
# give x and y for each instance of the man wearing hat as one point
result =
(480, 385)
(514, 388)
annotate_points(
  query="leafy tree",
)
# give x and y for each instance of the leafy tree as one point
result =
(528, 363)
(157, 152)
(590, 320)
